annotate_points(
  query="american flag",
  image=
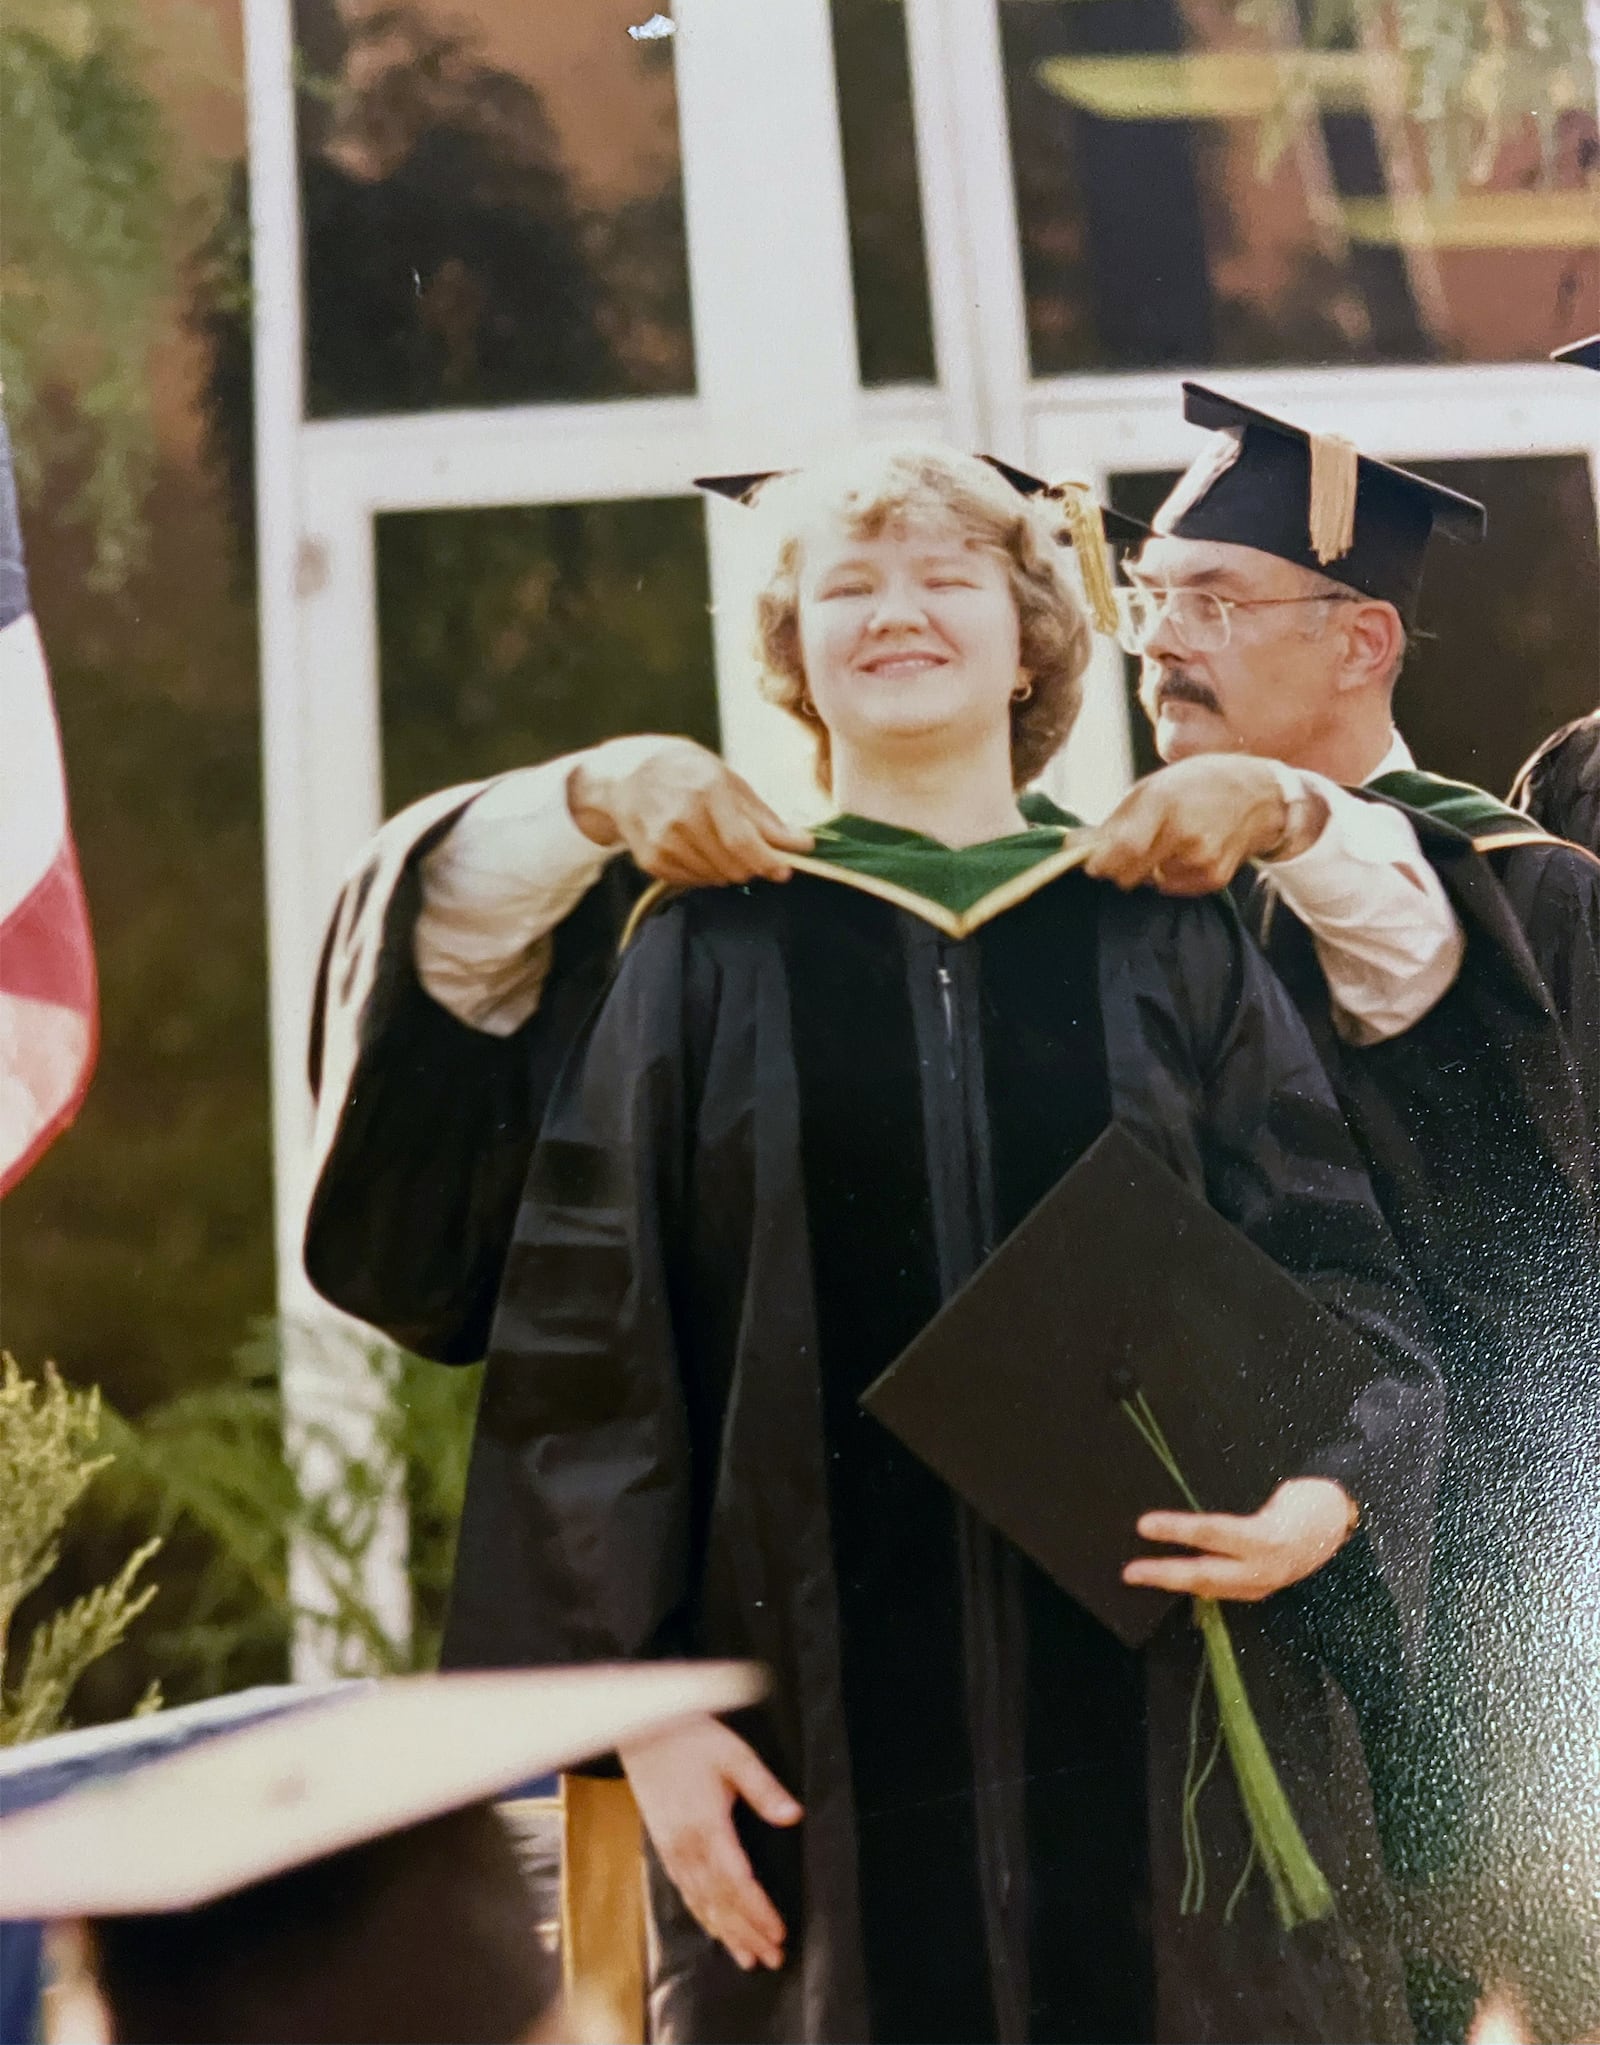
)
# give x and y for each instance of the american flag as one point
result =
(49, 1017)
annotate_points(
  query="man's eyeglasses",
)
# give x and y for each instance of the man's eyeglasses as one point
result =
(1199, 617)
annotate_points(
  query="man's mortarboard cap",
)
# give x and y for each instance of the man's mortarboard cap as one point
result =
(1312, 499)
(190, 1827)
(1121, 1287)
(1586, 354)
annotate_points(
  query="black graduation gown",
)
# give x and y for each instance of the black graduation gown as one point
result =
(1560, 785)
(1552, 889)
(798, 1121)
(425, 1126)
(1480, 1128)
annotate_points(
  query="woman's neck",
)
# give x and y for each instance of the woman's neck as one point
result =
(958, 801)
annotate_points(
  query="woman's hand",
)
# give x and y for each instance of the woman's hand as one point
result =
(685, 1782)
(1247, 1557)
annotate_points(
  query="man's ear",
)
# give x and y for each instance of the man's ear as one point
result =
(1375, 644)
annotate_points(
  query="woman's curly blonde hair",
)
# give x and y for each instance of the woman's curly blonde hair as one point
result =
(878, 487)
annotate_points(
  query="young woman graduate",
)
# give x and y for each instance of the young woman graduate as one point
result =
(799, 1120)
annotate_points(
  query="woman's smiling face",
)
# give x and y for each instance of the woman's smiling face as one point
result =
(910, 637)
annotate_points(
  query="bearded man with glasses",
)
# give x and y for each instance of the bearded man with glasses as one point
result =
(1270, 609)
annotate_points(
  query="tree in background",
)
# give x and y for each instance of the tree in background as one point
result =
(139, 1247)
(100, 191)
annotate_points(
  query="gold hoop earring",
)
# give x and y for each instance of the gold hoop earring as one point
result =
(1022, 691)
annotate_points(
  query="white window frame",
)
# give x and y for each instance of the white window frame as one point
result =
(776, 381)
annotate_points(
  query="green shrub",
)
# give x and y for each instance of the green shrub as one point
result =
(47, 1437)
(392, 1431)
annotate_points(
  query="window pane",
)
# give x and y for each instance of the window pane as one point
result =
(509, 636)
(894, 333)
(1139, 496)
(492, 205)
(1514, 645)
(1172, 213)
(1510, 640)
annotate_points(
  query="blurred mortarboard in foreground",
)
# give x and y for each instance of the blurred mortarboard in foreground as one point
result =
(299, 1786)
(1090, 528)
(1122, 1288)
(1313, 499)
(38, 1771)
(1586, 354)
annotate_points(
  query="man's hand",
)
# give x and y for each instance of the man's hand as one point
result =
(685, 1782)
(1187, 829)
(1303, 1524)
(681, 813)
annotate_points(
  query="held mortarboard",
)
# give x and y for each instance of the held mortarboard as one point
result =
(1586, 354)
(1313, 499)
(190, 1827)
(1122, 1300)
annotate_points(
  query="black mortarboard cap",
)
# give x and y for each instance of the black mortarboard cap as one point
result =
(1120, 530)
(1586, 354)
(738, 489)
(1121, 1284)
(1089, 528)
(1312, 499)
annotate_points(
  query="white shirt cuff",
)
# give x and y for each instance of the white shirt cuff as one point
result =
(511, 867)
(1386, 936)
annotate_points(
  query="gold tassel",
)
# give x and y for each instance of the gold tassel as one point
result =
(1087, 530)
(1331, 515)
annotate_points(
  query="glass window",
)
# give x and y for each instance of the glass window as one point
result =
(1192, 191)
(1509, 644)
(894, 331)
(509, 636)
(492, 205)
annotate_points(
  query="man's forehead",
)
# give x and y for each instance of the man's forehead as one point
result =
(1209, 564)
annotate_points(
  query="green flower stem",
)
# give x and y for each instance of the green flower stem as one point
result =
(1299, 1888)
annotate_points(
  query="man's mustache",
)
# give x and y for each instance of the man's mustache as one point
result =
(1172, 685)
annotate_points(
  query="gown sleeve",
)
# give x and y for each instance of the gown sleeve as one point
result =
(1554, 890)
(1385, 934)
(508, 873)
(425, 1126)
(1515, 1042)
(574, 1542)
(1281, 1164)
